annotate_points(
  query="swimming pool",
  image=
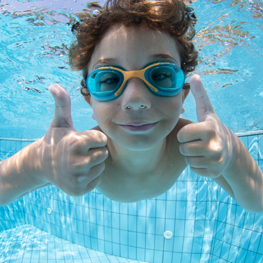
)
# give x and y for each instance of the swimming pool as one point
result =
(195, 221)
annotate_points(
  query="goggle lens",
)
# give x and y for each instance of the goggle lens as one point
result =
(162, 77)
(106, 80)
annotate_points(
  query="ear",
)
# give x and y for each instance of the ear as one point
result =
(88, 100)
(185, 93)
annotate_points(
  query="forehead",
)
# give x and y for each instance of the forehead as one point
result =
(134, 46)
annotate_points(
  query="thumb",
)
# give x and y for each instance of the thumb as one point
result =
(62, 117)
(203, 105)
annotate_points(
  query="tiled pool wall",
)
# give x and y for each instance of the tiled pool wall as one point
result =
(205, 223)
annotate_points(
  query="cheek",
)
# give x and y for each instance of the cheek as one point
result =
(172, 110)
(99, 114)
(102, 113)
(172, 107)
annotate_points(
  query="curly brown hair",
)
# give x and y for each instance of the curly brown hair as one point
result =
(170, 16)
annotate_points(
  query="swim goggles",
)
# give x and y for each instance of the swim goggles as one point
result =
(161, 78)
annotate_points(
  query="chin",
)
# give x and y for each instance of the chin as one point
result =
(140, 144)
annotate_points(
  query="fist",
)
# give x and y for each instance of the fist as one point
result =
(206, 145)
(70, 160)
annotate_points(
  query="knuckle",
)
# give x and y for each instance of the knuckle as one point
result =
(189, 161)
(211, 132)
(99, 136)
(106, 152)
(76, 141)
(97, 155)
(180, 136)
(100, 154)
(102, 139)
(98, 169)
(216, 166)
(182, 149)
(215, 148)
(102, 166)
(81, 165)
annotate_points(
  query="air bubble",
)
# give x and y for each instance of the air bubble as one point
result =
(168, 234)
(49, 211)
(95, 12)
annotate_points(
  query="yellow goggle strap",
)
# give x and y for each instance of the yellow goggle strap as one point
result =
(135, 73)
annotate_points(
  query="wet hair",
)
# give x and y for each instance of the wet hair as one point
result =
(170, 16)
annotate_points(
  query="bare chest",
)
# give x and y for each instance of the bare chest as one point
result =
(122, 186)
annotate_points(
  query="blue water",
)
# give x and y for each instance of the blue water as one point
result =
(206, 224)
(34, 55)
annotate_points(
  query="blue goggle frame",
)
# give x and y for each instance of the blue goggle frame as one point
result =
(145, 74)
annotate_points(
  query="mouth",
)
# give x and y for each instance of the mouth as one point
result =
(138, 127)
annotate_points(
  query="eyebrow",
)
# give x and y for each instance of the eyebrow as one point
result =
(109, 61)
(164, 56)
(105, 61)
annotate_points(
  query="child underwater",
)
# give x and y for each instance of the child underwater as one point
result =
(134, 56)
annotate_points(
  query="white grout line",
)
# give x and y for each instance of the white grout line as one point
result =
(17, 139)
(249, 133)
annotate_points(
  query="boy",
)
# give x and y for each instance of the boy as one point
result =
(134, 55)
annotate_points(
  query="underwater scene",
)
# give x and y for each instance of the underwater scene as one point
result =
(194, 221)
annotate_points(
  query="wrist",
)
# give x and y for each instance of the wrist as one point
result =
(234, 150)
(33, 160)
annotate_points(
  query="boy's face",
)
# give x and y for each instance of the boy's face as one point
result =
(138, 120)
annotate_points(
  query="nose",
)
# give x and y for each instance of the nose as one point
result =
(136, 95)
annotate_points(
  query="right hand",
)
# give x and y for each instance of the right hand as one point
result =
(70, 160)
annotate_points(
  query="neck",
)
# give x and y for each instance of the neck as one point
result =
(136, 161)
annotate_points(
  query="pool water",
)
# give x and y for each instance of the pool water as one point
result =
(35, 36)
(195, 221)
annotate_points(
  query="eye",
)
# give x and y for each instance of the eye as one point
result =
(161, 75)
(108, 78)
(108, 81)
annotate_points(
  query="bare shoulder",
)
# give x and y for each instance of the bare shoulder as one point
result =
(172, 137)
(96, 128)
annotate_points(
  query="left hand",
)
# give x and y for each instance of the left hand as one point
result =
(206, 145)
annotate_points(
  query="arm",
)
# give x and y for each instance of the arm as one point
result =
(70, 160)
(213, 150)
(18, 174)
(244, 177)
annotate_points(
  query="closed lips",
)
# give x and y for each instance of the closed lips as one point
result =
(138, 123)
(138, 126)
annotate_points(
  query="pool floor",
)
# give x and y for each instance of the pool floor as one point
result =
(30, 245)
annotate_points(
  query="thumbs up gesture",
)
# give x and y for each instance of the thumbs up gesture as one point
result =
(206, 145)
(71, 160)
